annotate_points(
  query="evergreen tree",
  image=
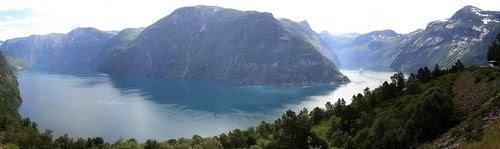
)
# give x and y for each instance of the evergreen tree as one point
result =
(317, 114)
(424, 75)
(151, 144)
(494, 50)
(398, 81)
(412, 84)
(457, 67)
(436, 72)
(329, 109)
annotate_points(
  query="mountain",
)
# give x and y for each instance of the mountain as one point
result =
(304, 30)
(362, 51)
(10, 98)
(116, 45)
(1, 42)
(80, 47)
(465, 36)
(214, 43)
(335, 41)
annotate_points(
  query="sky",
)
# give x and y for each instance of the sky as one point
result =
(20, 18)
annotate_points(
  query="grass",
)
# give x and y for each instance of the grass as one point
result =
(490, 140)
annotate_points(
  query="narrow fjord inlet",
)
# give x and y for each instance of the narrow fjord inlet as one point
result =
(161, 108)
(102, 74)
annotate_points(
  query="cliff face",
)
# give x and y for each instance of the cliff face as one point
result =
(10, 98)
(214, 43)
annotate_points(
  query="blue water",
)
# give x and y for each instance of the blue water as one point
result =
(87, 103)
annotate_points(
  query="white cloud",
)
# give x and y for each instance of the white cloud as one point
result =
(336, 16)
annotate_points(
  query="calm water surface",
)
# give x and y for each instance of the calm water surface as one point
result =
(87, 104)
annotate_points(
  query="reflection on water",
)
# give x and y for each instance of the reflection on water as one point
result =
(95, 104)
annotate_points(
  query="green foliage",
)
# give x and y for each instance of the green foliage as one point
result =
(458, 66)
(494, 49)
(424, 75)
(436, 71)
(9, 94)
(413, 85)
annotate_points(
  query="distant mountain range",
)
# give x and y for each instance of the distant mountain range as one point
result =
(465, 36)
(214, 43)
(80, 47)
(200, 42)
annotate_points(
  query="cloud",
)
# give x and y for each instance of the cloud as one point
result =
(336, 16)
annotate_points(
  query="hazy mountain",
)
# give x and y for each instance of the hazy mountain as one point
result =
(215, 43)
(1, 42)
(362, 51)
(304, 30)
(80, 47)
(116, 45)
(465, 36)
(335, 41)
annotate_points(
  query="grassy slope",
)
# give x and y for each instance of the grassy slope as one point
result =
(490, 138)
(477, 102)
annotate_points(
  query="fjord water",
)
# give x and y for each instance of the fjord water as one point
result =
(88, 104)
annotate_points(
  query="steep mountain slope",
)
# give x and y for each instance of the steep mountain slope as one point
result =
(80, 47)
(116, 45)
(304, 30)
(364, 51)
(465, 36)
(215, 43)
(10, 98)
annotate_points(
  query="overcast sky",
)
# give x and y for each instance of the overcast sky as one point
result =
(20, 18)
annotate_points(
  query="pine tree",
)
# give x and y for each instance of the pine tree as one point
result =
(457, 67)
(494, 50)
(436, 72)
(412, 84)
(424, 74)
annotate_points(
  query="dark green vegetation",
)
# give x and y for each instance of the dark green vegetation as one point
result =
(9, 93)
(214, 43)
(465, 36)
(494, 50)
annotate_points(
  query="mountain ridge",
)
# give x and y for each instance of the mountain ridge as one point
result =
(214, 43)
(464, 36)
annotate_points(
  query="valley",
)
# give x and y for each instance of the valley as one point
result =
(160, 108)
(207, 76)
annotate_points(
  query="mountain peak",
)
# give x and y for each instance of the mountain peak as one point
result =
(305, 23)
(199, 9)
(468, 12)
(83, 30)
(387, 32)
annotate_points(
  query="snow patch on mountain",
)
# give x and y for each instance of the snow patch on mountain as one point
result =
(488, 20)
